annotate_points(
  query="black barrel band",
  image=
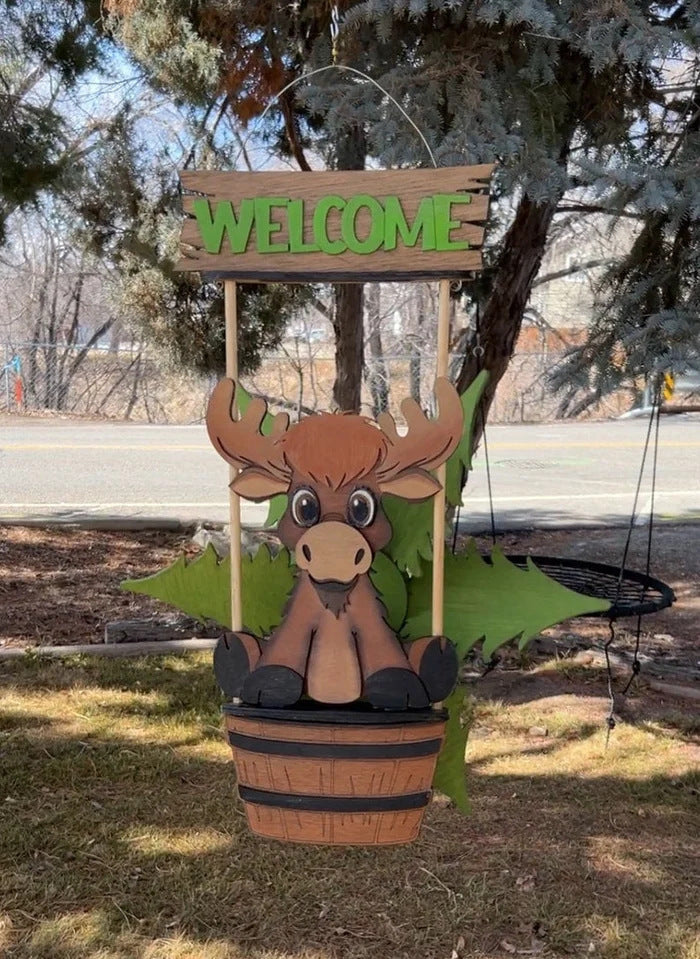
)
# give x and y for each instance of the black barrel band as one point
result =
(348, 804)
(281, 747)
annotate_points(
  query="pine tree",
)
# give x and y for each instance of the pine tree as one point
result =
(570, 99)
(45, 48)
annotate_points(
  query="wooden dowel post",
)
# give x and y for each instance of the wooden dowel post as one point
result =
(231, 320)
(443, 351)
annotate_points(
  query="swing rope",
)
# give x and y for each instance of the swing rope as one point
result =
(653, 424)
(636, 665)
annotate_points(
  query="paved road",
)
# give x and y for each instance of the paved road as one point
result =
(542, 475)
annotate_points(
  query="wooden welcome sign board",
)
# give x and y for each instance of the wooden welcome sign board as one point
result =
(335, 226)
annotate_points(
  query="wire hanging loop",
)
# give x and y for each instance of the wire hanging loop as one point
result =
(343, 69)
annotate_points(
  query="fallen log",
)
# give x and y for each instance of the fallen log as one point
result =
(152, 630)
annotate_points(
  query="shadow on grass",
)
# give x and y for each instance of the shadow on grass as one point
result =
(181, 683)
(518, 687)
(120, 842)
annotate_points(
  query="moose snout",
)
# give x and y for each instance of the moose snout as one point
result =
(333, 551)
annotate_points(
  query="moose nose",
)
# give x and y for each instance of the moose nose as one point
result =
(333, 551)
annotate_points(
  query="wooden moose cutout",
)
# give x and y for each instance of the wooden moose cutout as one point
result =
(334, 644)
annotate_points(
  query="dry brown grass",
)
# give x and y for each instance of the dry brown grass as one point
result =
(120, 835)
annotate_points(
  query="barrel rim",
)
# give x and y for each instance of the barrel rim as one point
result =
(360, 715)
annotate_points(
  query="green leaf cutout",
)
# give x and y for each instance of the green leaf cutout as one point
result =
(391, 587)
(412, 523)
(495, 601)
(275, 510)
(411, 538)
(201, 589)
(450, 772)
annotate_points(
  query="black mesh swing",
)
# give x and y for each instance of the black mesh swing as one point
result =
(629, 592)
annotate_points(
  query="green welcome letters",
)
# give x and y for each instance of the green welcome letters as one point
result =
(432, 224)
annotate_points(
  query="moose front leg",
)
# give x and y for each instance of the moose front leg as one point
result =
(236, 654)
(278, 677)
(389, 680)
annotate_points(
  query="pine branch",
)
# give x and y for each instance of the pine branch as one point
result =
(587, 208)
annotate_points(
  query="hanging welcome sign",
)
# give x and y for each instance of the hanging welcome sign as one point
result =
(334, 720)
(379, 224)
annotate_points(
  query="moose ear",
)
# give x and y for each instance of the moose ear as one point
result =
(258, 485)
(414, 485)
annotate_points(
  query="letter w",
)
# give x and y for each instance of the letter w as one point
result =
(224, 222)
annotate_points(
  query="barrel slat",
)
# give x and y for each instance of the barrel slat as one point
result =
(316, 733)
(386, 777)
(342, 829)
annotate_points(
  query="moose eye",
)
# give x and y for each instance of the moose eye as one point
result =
(361, 508)
(305, 508)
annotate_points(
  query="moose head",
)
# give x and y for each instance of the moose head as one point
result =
(334, 644)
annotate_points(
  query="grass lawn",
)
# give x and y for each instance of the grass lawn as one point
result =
(120, 833)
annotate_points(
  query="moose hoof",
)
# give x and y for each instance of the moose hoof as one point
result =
(437, 667)
(273, 686)
(234, 657)
(395, 688)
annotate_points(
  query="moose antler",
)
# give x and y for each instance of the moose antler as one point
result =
(240, 441)
(428, 443)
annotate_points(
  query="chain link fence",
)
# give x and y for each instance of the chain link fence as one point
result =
(99, 383)
(138, 386)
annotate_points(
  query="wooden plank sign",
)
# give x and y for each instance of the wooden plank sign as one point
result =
(335, 226)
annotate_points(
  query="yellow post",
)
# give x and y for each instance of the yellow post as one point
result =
(443, 351)
(231, 320)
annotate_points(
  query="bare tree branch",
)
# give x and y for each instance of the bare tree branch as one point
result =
(569, 270)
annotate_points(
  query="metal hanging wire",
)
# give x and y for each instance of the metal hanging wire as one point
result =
(478, 354)
(343, 69)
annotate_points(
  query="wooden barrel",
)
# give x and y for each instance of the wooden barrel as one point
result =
(339, 777)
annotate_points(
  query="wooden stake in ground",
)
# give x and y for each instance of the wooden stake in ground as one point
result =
(231, 319)
(443, 349)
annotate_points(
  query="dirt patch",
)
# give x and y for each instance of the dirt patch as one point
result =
(61, 586)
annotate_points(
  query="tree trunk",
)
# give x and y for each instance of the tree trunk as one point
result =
(347, 326)
(350, 153)
(377, 377)
(502, 316)
(417, 344)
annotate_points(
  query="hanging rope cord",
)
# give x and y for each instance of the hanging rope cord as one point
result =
(652, 427)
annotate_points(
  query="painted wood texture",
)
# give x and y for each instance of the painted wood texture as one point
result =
(337, 733)
(402, 262)
(335, 829)
(334, 643)
(360, 766)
